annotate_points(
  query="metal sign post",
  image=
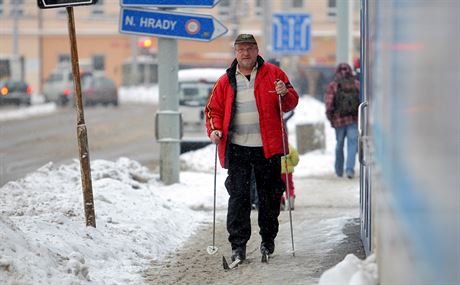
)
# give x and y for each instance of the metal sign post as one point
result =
(168, 116)
(169, 26)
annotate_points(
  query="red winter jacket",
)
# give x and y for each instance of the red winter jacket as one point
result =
(219, 110)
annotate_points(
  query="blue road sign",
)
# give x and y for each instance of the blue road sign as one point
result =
(170, 25)
(170, 3)
(291, 33)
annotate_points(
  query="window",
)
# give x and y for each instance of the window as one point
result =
(1, 7)
(98, 8)
(64, 58)
(194, 93)
(224, 8)
(86, 82)
(332, 8)
(17, 7)
(5, 70)
(297, 3)
(99, 62)
(61, 12)
(55, 77)
(258, 10)
(147, 72)
(224, 3)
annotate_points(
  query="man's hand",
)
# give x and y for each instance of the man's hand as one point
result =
(216, 136)
(280, 88)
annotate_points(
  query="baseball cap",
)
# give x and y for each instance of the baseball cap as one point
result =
(245, 38)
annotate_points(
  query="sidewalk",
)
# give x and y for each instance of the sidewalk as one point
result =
(326, 229)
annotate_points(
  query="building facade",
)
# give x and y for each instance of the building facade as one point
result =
(40, 37)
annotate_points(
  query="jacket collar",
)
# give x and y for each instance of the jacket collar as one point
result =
(232, 70)
(260, 62)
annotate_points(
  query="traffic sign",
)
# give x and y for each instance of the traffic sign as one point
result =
(170, 24)
(291, 33)
(170, 3)
(45, 4)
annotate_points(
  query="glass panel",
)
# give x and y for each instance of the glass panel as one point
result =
(55, 77)
(98, 8)
(194, 93)
(297, 3)
(331, 8)
(17, 7)
(85, 82)
(99, 62)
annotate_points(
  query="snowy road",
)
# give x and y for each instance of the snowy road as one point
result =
(324, 205)
(31, 142)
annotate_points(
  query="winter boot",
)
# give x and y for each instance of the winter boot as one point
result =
(239, 253)
(267, 247)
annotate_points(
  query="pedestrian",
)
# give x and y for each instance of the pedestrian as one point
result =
(243, 118)
(292, 159)
(342, 101)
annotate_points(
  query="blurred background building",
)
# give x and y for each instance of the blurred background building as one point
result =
(34, 42)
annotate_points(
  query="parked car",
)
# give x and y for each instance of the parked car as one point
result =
(13, 91)
(59, 87)
(195, 86)
(99, 90)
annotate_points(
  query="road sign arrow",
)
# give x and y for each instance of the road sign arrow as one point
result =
(170, 3)
(291, 33)
(170, 24)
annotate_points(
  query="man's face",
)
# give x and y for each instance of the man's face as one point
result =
(246, 54)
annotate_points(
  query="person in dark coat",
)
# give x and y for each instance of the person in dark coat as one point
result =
(344, 122)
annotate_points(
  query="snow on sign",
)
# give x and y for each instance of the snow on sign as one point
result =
(45, 4)
(170, 25)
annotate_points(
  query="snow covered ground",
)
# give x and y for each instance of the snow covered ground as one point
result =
(26, 112)
(44, 239)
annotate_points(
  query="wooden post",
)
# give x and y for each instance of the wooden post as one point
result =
(82, 135)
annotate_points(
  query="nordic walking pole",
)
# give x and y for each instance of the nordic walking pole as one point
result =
(286, 167)
(212, 249)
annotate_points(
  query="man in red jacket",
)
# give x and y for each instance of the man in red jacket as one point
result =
(243, 118)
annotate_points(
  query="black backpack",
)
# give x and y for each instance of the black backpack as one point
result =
(346, 100)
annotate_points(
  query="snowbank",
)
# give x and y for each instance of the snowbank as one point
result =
(351, 271)
(45, 241)
(25, 112)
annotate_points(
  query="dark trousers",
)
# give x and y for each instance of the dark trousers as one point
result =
(270, 187)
